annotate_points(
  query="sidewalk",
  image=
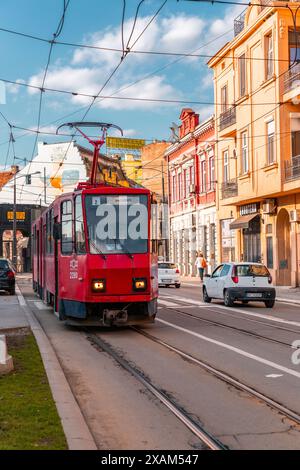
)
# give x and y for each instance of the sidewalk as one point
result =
(15, 314)
(283, 293)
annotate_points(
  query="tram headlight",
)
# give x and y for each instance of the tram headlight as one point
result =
(98, 285)
(140, 284)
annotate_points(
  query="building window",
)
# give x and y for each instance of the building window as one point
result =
(79, 227)
(225, 166)
(187, 182)
(192, 175)
(212, 176)
(242, 75)
(173, 188)
(269, 56)
(66, 228)
(224, 98)
(245, 159)
(203, 176)
(270, 142)
(294, 50)
(184, 184)
(270, 252)
(180, 186)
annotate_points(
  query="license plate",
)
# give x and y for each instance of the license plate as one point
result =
(166, 280)
(253, 294)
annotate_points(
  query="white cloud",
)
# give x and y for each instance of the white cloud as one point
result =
(221, 25)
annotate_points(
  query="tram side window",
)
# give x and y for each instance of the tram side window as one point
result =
(66, 228)
(49, 232)
(79, 227)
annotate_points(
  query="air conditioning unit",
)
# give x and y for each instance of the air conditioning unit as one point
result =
(295, 216)
(192, 188)
(269, 206)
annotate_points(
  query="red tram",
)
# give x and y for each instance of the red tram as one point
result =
(92, 256)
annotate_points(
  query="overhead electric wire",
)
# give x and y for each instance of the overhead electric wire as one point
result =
(55, 35)
(112, 74)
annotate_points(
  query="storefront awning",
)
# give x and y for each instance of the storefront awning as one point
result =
(243, 221)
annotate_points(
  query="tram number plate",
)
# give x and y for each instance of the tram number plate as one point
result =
(253, 294)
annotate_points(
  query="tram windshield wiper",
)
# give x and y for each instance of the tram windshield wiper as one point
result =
(125, 250)
(97, 249)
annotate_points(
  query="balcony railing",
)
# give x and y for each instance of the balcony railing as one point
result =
(291, 78)
(292, 169)
(239, 22)
(227, 118)
(229, 188)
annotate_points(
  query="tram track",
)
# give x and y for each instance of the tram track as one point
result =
(204, 436)
(242, 330)
(291, 414)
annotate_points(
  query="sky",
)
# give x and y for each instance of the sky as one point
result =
(181, 26)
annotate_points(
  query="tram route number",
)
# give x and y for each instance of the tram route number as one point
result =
(150, 459)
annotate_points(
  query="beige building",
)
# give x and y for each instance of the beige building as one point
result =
(257, 95)
(154, 168)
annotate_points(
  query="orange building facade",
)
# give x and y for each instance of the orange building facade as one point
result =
(257, 117)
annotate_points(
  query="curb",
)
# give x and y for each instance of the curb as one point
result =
(76, 430)
(288, 301)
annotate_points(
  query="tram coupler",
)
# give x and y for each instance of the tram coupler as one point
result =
(114, 317)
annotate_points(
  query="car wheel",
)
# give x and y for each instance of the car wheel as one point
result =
(177, 286)
(228, 302)
(12, 291)
(206, 298)
(270, 303)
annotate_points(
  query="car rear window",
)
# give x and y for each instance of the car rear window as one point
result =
(166, 266)
(256, 270)
(3, 264)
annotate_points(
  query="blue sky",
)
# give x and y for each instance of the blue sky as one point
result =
(180, 27)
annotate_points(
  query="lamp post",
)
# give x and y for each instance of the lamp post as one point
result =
(14, 216)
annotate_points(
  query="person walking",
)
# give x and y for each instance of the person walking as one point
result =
(201, 264)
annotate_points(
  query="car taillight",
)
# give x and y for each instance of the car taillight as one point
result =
(234, 276)
(10, 275)
(270, 279)
(177, 271)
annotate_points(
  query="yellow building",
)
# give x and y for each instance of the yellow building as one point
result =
(131, 165)
(257, 96)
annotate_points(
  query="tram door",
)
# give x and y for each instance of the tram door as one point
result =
(38, 259)
(56, 270)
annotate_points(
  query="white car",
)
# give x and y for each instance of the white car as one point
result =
(240, 281)
(168, 274)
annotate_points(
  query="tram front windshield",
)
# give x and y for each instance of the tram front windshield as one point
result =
(117, 223)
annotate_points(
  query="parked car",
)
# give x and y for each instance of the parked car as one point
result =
(7, 276)
(240, 282)
(168, 274)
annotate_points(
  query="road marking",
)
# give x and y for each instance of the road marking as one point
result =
(239, 351)
(21, 299)
(166, 303)
(238, 310)
(274, 376)
(41, 306)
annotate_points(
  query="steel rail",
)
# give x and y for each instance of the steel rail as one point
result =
(210, 441)
(223, 325)
(225, 377)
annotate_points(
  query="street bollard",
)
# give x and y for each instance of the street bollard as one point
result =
(6, 361)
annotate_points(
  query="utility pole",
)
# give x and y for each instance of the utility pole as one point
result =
(15, 225)
(45, 186)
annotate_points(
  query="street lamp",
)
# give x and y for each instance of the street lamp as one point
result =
(14, 215)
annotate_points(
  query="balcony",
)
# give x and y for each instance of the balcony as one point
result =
(229, 188)
(291, 78)
(239, 23)
(292, 169)
(228, 118)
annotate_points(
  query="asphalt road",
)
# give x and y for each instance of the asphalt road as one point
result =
(248, 342)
